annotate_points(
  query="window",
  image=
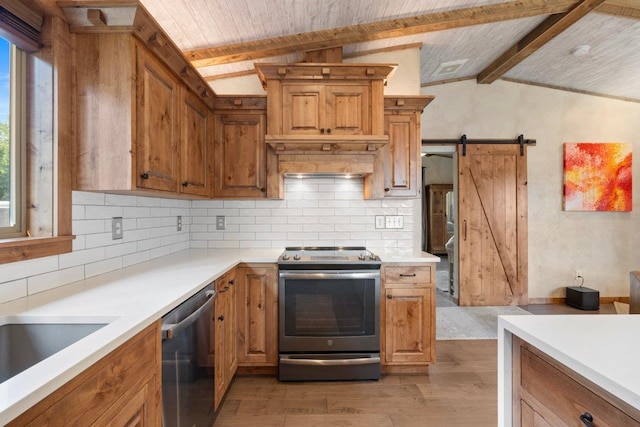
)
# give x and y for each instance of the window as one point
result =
(12, 147)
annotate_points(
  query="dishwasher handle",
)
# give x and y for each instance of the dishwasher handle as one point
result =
(170, 330)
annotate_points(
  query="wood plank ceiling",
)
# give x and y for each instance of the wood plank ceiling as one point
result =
(524, 40)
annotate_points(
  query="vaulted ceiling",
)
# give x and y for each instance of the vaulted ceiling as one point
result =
(590, 46)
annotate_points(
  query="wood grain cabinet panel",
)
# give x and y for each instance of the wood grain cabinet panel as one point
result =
(123, 388)
(240, 158)
(321, 109)
(196, 146)
(139, 128)
(157, 124)
(225, 330)
(258, 315)
(240, 165)
(408, 315)
(438, 234)
(397, 171)
(545, 392)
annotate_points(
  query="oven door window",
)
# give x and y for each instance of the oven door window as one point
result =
(331, 308)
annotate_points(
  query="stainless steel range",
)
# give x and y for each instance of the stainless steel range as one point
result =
(329, 307)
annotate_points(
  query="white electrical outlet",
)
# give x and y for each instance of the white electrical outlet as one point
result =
(394, 221)
(221, 222)
(379, 221)
(179, 223)
(578, 274)
(116, 228)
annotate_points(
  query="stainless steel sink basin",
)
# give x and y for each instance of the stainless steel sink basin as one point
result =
(25, 341)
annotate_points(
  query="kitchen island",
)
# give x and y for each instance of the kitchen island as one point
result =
(560, 369)
(129, 301)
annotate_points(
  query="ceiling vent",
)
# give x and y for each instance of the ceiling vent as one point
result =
(450, 67)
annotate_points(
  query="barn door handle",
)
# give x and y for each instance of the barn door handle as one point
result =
(465, 229)
(408, 275)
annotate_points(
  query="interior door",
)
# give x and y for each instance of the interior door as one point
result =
(492, 225)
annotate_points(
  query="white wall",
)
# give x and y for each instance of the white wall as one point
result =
(603, 245)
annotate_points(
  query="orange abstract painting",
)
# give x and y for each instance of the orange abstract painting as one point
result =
(597, 176)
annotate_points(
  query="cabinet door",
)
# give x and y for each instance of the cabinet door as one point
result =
(303, 109)
(195, 171)
(401, 168)
(133, 411)
(240, 156)
(258, 315)
(219, 364)
(408, 325)
(231, 328)
(156, 125)
(347, 110)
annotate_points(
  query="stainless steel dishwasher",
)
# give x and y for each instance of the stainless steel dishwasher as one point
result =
(187, 368)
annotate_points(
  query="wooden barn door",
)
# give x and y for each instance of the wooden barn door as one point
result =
(492, 225)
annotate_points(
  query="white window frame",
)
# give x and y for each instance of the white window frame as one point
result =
(17, 119)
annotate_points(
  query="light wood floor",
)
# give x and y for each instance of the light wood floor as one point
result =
(460, 390)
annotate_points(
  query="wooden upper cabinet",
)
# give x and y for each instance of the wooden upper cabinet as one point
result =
(340, 109)
(240, 152)
(398, 165)
(196, 152)
(157, 124)
(142, 111)
(325, 107)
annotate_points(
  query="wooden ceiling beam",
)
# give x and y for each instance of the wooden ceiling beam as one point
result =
(621, 8)
(538, 37)
(323, 39)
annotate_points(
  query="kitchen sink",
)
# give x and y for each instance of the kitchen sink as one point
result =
(27, 340)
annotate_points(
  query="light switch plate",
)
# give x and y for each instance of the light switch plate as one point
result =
(116, 228)
(379, 221)
(394, 221)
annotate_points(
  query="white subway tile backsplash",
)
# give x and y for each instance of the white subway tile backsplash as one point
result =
(101, 267)
(16, 270)
(88, 226)
(121, 249)
(136, 212)
(314, 212)
(44, 282)
(120, 200)
(86, 198)
(102, 212)
(13, 290)
(85, 256)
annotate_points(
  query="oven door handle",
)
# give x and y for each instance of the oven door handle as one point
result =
(330, 275)
(170, 330)
(331, 362)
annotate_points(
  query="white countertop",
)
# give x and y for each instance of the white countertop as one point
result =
(601, 348)
(130, 299)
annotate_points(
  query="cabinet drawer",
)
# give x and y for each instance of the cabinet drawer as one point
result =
(415, 274)
(557, 393)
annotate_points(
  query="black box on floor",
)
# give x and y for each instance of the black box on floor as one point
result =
(583, 298)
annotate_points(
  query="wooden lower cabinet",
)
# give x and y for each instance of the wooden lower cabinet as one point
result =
(121, 389)
(547, 393)
(257, 314)
(225, 330)
(408, 315)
